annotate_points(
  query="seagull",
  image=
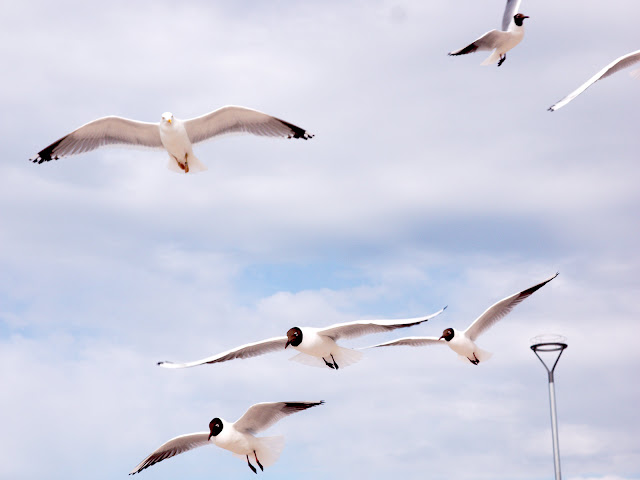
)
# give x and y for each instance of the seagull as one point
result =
(618, 64)
(500, 40)
(463, 342)
(174, 135)
(237, 437)
(317, 346)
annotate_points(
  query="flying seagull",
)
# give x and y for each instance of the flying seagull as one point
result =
(501, 41)
(174, 135)
(618, 64)
(317, 346)
(237, 437)
(463, 342)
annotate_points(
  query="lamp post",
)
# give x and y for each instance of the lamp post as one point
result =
(551, 344)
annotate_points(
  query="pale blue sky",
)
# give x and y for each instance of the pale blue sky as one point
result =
(431, 181)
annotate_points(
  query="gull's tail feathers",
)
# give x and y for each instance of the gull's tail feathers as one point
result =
(342, 356)
(268, 450)
(491, 59)
(195, 165)
(481, 355)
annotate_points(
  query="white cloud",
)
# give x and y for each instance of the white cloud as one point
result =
(430, 181)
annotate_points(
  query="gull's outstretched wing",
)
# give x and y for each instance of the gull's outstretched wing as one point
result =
(510, 10)
(172, 448)
(499, 309)
(232, 119)
(262, 415)
(488, 41)
(99, 133)
(410, 342)
(618, 64)
(244, 351)
(365, 327)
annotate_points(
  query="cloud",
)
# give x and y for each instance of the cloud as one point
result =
(431, 181)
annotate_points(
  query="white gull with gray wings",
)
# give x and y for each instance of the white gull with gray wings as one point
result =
(237, 437)
(171, 134)
(317, 346)
(615, 66)
(501, 41)
(463, 342)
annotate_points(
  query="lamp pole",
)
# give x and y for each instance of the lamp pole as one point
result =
(552, 346)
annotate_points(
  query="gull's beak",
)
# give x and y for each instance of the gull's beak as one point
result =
(287, 344)
(210, 435)
(169, 120)
(526, 16)
(441, 337)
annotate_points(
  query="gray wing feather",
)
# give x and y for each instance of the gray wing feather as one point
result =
(365, 327)
(172, 448)
(510, 10)
(411, 342)
(618, 64)
(232, 119)
(499, 309)
(488, 41)
(99, 133)
(244, 351)
(262, 415)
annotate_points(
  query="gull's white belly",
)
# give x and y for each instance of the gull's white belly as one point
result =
(315, 345)
(512, 40)
(175, 140)
(234, 441)
(462, 345)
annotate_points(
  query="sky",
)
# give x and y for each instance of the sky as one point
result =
(431, 181)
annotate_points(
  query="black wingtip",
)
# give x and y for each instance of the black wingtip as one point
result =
(303, 405)
(445, 307)
(529, 291)
(297, 132)
(47, 154)
(551, 109)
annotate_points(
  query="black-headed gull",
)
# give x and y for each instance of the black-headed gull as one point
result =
(317, 346)
(174, 135)
(463, 342)
(500, 40)
(617, 65)
(237, 437)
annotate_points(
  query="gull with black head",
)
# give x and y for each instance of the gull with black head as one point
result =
(317, 346)
(237, 437)
(463, 341)
(171, 134)
(501, 41)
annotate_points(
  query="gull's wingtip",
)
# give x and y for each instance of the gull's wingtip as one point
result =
(304, 136)
(39, 159)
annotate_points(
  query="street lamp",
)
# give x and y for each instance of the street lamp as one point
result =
(551, 344)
